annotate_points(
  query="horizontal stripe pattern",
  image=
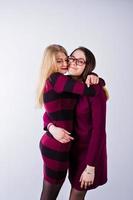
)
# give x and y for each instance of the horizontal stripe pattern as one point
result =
(57, 165)
(53, 78)
(67, 124)
(55, 174)
(62, 83)
(54, 105)
(69, 85)
(53, 181)
(62, 115)
(51, 95)
(53, 154)
(56, 159)
(53, 144)
(60, 97)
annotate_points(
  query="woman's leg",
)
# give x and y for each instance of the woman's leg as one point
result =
(77, 195)
(50, 191)
(56, 160)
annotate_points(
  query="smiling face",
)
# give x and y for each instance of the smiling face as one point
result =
(62, 62)
(77, 63)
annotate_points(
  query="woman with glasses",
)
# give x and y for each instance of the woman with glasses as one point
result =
(59, 95)
(88, 156)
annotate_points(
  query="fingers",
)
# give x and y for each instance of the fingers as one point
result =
(88, 81)
(97, 80)
(85, 184)
(65, 140)
(67, 132)
(80, 178)
(63, 136)
(92, 80)
(82, 181)
(82, 184)
(68, 137)
(90, 182)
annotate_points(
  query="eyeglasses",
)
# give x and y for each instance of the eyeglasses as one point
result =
(79, 61)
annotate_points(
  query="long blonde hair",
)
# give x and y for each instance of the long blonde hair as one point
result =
(49, 66)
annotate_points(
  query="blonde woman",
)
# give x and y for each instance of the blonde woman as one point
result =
(58, 93)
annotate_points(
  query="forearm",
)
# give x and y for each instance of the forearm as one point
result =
(98, 135)
(62, 83)
(46, 121)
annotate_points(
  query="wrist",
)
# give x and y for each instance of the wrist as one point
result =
(49, 125)
(90, 169)
(52, 129)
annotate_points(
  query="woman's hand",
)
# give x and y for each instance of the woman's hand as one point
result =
(60, 134)
(87, 177)
(92, 79)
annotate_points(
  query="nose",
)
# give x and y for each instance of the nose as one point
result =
(64, 63)
(72, 64)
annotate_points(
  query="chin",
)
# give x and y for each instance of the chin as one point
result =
(63, 71)
(72, 72)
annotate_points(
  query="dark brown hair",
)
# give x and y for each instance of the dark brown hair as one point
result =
(90, 62)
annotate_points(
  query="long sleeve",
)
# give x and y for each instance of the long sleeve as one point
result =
(46, 121)
(98, 136)
(62, 83)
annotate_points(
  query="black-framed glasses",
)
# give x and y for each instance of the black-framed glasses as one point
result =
(79, 61)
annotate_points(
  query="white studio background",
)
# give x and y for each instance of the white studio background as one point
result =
(26, 28)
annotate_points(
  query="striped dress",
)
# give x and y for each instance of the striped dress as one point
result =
(60, 98)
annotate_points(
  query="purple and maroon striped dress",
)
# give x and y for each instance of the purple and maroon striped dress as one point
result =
(60, 98)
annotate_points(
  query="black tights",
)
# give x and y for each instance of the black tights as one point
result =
(77, 195)
(50, 191)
